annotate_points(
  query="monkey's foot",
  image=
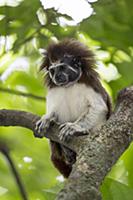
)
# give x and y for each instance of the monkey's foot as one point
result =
(68, 130)
(43, 125)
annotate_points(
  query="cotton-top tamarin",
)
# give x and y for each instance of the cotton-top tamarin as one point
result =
(75, 99)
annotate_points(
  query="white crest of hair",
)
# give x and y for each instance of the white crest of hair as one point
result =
(77, 102)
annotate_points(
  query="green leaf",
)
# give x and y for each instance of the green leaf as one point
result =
(112, 24)
(114, 190)
(126, 71)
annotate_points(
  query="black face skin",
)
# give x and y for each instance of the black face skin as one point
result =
(66, 71)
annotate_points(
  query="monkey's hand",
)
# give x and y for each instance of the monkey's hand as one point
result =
(68, 130)
(43, 125)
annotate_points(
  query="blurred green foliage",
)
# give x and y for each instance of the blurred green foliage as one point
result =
(27, 27)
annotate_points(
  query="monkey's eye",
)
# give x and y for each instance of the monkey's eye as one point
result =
(51, 71)
(74, 59)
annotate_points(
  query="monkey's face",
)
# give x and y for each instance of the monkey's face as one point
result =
(65, 71)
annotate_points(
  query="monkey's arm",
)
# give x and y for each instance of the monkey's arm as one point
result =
(91, 119)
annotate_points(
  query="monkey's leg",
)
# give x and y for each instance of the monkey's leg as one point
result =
(58, 159)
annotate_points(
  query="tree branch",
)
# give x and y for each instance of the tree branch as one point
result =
(96, 153)
(20, 93)
(6, 152)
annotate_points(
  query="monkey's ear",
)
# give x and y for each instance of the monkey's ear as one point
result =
(45, 65)
(43, 52)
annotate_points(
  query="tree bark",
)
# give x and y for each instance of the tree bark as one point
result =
(96, 153)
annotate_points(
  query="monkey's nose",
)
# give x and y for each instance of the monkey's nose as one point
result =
(60, 78)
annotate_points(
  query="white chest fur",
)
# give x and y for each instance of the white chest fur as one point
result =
(69, 103)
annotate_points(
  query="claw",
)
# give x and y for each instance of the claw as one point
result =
(68, 130)
(38, 135)
(62, 126)
(42, 126)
